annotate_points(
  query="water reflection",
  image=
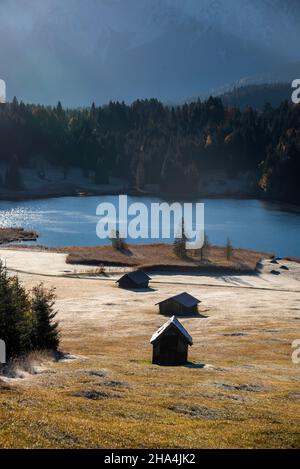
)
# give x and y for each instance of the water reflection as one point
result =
(252, 224)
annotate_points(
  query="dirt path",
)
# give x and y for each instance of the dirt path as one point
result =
(47, 264)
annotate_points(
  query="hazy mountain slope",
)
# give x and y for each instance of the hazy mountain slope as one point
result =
(257, 96)
(114, 49)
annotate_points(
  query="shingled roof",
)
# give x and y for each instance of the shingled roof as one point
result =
(172, 322)
(138, 277)
(185, 299)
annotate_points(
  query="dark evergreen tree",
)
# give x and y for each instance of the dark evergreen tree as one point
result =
(101, 175)
(8, 317)
(205, 247)
(229, 249)
(117, 241)
(13, 178)
(180, 242)
(45, 326)
(15, 315)
(178, 144)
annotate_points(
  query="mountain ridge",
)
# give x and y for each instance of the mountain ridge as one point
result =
(168, 49)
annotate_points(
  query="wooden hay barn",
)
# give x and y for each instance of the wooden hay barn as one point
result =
(136, 279)
(170, 344)
(180, 305)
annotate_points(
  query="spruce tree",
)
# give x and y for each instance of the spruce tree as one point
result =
(116, 241)
(140, 175)
(15, 317)
(229, 249)
(101, 174)
(7, 318)
(13, 177)
(205, 247)
(26, 322)
(179, 245)
(24, 326)
(45, 327)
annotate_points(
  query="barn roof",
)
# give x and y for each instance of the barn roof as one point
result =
(172, 322)
(138, 277)
(185, 299)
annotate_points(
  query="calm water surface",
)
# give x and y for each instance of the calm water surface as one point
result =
(249, 223)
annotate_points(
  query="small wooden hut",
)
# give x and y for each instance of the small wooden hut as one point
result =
(170, 344)
(182, 304)
(136, 279)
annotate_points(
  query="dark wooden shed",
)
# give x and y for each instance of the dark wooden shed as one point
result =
(136, 279)
(182, 304)
(170, 344)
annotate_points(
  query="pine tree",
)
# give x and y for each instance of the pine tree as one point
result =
(229, 249)
(15, 318)
(140, 175)
(26, 322)
(23, 317)
(116, 241)
(101, 175)
(205, 247)
(179, 245)
(46, 329)
(13, 177)
(59, 109)
(7, 319)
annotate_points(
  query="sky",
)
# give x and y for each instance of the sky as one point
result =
(80, 51)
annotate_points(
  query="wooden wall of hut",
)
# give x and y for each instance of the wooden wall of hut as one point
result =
(171, 307)
(171, 349)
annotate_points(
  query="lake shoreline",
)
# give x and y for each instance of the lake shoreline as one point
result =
(13, 235)
(72, 221)
(132, 192)
(20, 197)
(156, 257)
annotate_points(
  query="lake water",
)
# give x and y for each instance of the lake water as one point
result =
(251, 224)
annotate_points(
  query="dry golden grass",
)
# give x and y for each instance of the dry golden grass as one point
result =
(162, 256)
(11, 235)
(240, 390)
